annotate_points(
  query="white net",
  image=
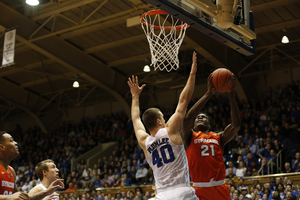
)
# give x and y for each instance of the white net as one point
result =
(165, 35)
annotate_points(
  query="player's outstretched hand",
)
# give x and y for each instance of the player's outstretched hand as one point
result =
(133, 84)
(18, 196)
(210, 87)
(194, 65)
(232, 89)
(58, 183)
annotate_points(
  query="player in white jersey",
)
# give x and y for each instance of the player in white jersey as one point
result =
(164, 147)
(47, 172)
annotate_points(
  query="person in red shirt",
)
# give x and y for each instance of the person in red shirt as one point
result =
(8, 188)
(204, 148)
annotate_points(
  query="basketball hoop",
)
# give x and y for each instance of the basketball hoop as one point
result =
(165, 36)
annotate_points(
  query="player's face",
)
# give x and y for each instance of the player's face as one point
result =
(10, 146)
(52, 173)
(202, 121)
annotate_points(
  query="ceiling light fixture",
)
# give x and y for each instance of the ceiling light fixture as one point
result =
(76, 84)
(146, 68)
(32, 2)
(284, 39)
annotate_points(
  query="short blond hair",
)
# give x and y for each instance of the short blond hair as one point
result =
(42, 166)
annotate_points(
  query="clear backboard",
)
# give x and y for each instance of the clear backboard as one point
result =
(228, 21)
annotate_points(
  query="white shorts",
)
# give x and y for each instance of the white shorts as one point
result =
(178, 193)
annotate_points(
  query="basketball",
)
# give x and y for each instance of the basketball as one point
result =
(222, 79)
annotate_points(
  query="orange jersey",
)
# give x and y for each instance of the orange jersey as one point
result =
(205, 157)
(7, 181)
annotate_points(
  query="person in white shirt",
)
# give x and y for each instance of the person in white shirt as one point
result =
(141, 174)
(252, 147)
(240, 170)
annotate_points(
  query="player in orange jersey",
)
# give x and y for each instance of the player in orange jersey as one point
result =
(204, 148)
(8, 188)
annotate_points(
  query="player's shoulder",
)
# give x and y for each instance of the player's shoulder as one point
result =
(12, 170)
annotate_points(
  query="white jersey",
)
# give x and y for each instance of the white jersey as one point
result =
(168, 162)
(44, 188)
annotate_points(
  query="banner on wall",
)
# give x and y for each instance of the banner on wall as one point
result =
(9, 48)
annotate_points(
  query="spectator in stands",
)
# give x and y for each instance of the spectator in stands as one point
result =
(287, 168)
(266, 152)
(277, 146)
(261, 147)
(241, 185)
(244, 156)
(141, 174)
(289, 188)
(135, 165)
(268, 189)
(232, 188)
(71, 187)
(241, 148)
(246, 137)
(278, 180)
(254, 166)
(252, 147)
(142, 159)
(230, 165)
(132, 175)
(257, 197)
(264, 166)
(296, 162)
(244, 190)
(250, 159)
(117, 180)
(98, 182)
(289, 196)
(235, 195)
(240, 169)
(230, 173)
(275, 195)
(111, 177)
(280, 189)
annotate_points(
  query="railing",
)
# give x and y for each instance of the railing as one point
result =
(270, 164)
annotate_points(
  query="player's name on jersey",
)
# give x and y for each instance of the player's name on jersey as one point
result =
(7, 184)
(202, 140)
(157, 143)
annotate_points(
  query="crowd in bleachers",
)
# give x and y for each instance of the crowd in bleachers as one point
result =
(270, 124)
(276, 189)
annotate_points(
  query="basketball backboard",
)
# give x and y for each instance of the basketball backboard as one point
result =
(227, 21)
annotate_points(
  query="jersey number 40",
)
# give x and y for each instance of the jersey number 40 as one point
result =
(164, 150)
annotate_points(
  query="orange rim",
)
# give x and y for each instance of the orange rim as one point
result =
(160, 12)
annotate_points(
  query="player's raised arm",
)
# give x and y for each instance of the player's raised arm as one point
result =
(176, 119)
(188, 122)
(231, 130)
(139, 128)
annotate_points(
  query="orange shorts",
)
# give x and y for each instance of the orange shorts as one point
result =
(220, 192)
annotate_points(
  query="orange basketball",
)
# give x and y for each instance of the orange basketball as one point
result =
(222, 79)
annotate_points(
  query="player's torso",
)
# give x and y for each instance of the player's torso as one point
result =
(167, 160)
(205, 157)
(7, 181)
